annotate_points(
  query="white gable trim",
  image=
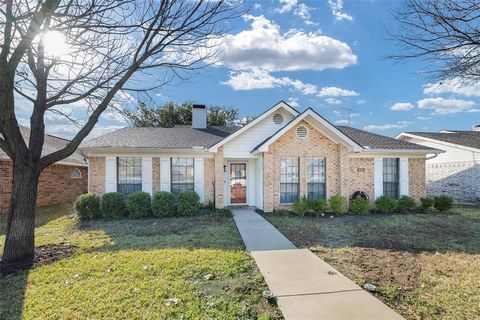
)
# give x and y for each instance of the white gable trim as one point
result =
(273, 109)
(445, 143)
(340, 136)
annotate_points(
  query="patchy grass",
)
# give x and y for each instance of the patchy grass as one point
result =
(426, 266)
(142, 269)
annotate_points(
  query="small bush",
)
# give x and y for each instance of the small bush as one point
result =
(385, 204)
(188, 203)
(301, 206)
(406, 203)
(87, 206)
(163, 204)
(113, 205)
(139, 204)
(318, 206)
(360, 206)
(443, 202)
(338, 204)
(426, 203)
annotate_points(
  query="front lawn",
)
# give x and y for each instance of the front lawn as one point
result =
(425, 266)
(175, 268)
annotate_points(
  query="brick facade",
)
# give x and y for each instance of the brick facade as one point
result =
(96, 180)
(209, 180)
(360, 174)
(417, 178)
(55, 184)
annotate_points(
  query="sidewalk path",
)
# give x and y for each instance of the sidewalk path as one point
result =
(305, 286)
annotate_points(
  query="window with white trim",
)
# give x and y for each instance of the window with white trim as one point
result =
(182, 175)
(129, 173)
(289, 179)
(391, 181)
(316, 178)
(76, 174)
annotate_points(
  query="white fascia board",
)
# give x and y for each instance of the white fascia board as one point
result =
(61, 162)
(449, 144)
(355, 147)
(144, 152)
(277, 106)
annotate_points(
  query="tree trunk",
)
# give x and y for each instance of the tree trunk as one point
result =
(19, 242)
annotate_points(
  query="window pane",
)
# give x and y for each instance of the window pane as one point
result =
(391, 177)
(129, 174)
(182, 172)
(289, 177)
(316, 178)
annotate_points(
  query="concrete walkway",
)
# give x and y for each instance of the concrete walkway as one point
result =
(305, 286)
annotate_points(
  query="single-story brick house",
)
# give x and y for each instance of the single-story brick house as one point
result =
(455, 172)
(281, 155)
(60, 182)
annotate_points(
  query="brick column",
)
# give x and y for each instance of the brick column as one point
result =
(268, 187)
(344, 171)
(219, 176)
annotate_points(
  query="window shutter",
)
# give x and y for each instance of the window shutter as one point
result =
(110, 174)
(378, 177)
(165, 174)
(198, 175)
(147, 174)
(403, 167)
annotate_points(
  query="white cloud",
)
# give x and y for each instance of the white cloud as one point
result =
(336, 92)
(257, 6)
(264, 47)
(333, 101)
(383, 127)
(423, 118)
(443, 106)
(303, 11)
(343, 122)
(453, 86)
(293, 102)
(337, 10)
(287, 6)
(474, 110)
(362, 101)
(402, 106)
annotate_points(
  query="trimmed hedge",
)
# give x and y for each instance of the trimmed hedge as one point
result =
(318, 206)
(360, 206)
(163, 204)
(301, 206)
(139, 204)
(112, 205)
(426, 203)
(338, 204)
(188, 203)
(385, 204)
(443, 202)
(406, 203)
(87, 206)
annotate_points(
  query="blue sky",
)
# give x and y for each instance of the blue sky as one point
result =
(329, 55)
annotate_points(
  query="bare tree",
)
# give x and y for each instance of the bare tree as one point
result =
(444, 33)
(113, 47)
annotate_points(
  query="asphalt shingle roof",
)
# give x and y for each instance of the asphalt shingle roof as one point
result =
(51, 145)
(375, 141)
(183, 137)
(464, 138)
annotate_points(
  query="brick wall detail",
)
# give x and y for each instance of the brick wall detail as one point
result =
(417, 178)
(219, 178)
(96, 181)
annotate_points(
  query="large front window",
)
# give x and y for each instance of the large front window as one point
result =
(129, 174)
(391, 177)
(316, 178)
(182, 175)
(289, 181)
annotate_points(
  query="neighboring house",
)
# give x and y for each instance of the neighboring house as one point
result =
(60, 182)
(455, 172)
(281, 155)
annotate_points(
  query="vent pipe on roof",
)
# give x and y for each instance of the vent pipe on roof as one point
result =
(476, 128)
(199, 116)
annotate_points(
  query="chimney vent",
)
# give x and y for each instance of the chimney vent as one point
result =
(199, 116)
(476, 128)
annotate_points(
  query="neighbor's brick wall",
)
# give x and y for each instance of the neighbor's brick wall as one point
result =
(219, 176)
(209, 180)
(457, 179)
(288, 145)
(96, 181)
(361, 176)
(417, 178)
(55, 184)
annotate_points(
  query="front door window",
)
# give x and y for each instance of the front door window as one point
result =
(238, 183)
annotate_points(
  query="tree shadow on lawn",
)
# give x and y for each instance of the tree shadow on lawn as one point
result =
(12, 295)
(207, 231)
(414, 233)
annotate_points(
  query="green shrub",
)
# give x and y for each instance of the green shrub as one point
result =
(426, 203)
(360, 206)
(87, 206)
(113, 205)
(443, 202)
(139, 204)
(385, 204)
(301, 206)
(338, 204)
(406, 203)
(188, 203)
(318, 206)
(163, 204)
